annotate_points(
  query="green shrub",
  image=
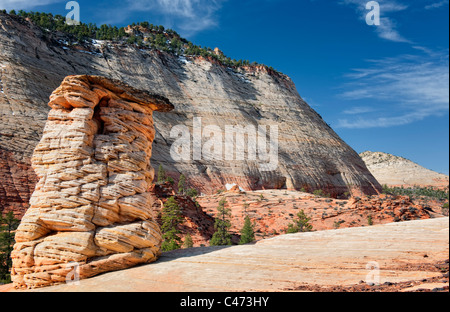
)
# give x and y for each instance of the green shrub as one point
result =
(8, 224)
(188, 242)
(192, 193)
(321, 193)
(445, 208)
(416, 192)
(301, 224)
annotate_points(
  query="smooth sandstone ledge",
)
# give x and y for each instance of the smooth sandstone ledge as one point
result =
(329, 258)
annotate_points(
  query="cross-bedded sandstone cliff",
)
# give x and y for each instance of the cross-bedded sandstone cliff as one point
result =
(310, 154)
(395, 171)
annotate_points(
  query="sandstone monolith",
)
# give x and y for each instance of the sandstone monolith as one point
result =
(91, 211)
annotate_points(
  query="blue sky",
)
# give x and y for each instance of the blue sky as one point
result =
(382, 88)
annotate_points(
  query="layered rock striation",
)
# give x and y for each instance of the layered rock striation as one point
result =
(396, 171)
(91, 207)
(309, 154)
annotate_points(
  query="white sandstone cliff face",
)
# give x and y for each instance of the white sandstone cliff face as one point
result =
(92, 204)
(310, 154)
(394, 171)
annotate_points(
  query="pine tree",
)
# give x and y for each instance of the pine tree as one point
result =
(182, 184)
(161, 175)
(8, 225)
(222, 237)
(171, 219)
(247, 232)
(131, 40)
(188, 243)
(192, 193)
(300, 225)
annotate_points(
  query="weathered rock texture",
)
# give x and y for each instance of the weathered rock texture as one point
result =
(17, 181)
(311, 154)
(404, 252)
(271, 211)
(91, 204)
(395, 171)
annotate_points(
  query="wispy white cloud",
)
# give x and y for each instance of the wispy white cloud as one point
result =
(359, 110)
(380, 122)
(25, 4)
(388, 6)
(409, 89)
(436, 5)
(190, 16)
(388, 30)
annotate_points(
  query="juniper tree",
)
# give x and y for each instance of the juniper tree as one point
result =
(222, 237)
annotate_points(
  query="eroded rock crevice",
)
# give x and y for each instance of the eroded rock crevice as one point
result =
(92, 203)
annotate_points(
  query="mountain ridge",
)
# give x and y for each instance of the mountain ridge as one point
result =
(396, 170)
(142, 34)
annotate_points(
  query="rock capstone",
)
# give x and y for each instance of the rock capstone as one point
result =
(91, 210)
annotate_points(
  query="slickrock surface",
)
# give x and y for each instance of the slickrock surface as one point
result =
(405, 252)
(311, 154)
(395, 171)
(92, 203)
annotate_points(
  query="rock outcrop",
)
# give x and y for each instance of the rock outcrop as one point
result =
(92, 204)
(310, 154)
(272, 211)
(395, 171)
